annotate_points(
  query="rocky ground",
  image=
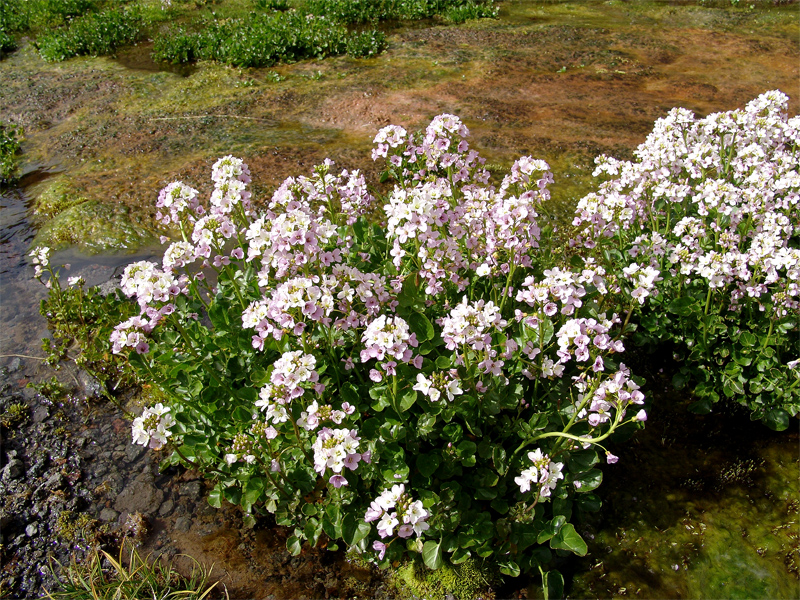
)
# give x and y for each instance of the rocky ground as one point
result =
(71, 479)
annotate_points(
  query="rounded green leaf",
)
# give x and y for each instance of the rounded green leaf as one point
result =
(432, 554)
(569, 539)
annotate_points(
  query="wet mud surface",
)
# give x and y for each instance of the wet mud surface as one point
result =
(559, 81)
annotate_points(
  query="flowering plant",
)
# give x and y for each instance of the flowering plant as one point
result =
(417, 381)
(702, 234)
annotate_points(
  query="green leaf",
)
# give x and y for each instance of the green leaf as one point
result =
(332, 521)
(583, 460)
(459, 556)
(499, 459)
(432, 554)
(215, 496)
(748, 339)
(309, 510)
(466, 449)
(550, 529)
(701, 407)
(294, 545)
(589, 480)
(553, 585)
(444, 362)
(354, 529)
(419, 324)
(408, 400)
(349, 393)
(253, 490)
(508, 567)
(777, 419)
(683, 306)
(589, 502)
(425, 424)
(428, 463)
(569, 539)
(538, 421)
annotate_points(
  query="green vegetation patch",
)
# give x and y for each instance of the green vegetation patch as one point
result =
(95, 34)
(55, 199)
(267, 39)
(370, 11)
(94, 227)
(465, 581)
(10, 137)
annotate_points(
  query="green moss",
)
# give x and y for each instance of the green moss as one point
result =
(95, 227)
(14, 415)
(57, 197)
(73, 527)
(466, 581)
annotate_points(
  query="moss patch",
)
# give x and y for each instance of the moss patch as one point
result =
(94, 227)
(57, 197)
(466, 581)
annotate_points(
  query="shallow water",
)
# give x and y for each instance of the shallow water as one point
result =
(696, 507)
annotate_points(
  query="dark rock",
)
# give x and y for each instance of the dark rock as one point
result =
(183, 524)
(55, 481)
(191, 490)
(166, 508)
(14, 469)
(92, 388)
(108, 515)
(134, 451)
(140, 496)
(40, 413)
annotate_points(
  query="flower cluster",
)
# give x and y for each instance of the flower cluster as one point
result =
(389, 337)
(148, 283)
(395, 508)
(714, 200)
(439, 384)
(577, 337)
(336, 449)
(315, 414)
(152, 427)
(41, 260)
(542, 475)
(131, 334)
(610, 398)
(175, 200)
(242, 448)
(290, 373)
(471, 323)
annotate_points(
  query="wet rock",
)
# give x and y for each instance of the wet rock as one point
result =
(140, 496)
(183, 524)
(55, 482)
(166, 508)
(14, 365)
(191, 490)
(13, 470)
(40, 413)
(108, 515)
(92, 388)
(134, 451)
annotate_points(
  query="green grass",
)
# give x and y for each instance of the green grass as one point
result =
(102, 576)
